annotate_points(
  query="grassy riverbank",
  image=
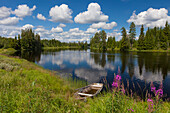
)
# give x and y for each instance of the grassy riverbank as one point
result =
(8, 51)
(26, 87)
(136, 50)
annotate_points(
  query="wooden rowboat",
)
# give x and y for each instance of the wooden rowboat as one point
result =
(89, 91)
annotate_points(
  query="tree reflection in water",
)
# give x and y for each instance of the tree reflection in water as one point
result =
(91, 64)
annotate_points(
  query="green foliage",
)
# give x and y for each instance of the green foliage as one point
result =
(26, 87)
(163, 40)
(167, 32)
(156, 38)
(111, 43)
(132, 33)
(29, 40)
(141, 39)
(8, 51)
(99, 41)
(113, 102)
(57, 44)
(124, 41)
(148, 40)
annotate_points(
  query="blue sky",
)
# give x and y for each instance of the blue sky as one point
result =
(78, 20)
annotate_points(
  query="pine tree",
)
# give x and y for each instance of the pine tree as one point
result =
(113, 43)
(109, 42)
(19, 42)
(132, 33)
(141, 39)
(163, 40)
(156, 36)
(167, 32)
(103, 37)
(124, 41)
(149, 40)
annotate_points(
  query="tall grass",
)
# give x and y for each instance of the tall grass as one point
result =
(118, 100)
(30, 88)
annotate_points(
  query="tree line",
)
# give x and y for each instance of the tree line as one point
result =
(155, 38)
(27, 40)
(57, 43)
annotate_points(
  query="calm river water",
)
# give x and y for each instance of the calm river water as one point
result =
(136, 67)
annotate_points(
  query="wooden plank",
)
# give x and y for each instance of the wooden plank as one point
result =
(83, 94)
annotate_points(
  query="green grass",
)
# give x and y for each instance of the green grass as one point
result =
(160, 50)
(136, 50)
(27, 87)
(120, 103)
(8, 51)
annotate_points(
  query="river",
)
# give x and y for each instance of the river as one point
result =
(136, 68)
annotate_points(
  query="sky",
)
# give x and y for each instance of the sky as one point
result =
(79, 20)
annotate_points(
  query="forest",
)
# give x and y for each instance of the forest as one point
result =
(156, 38)
(28, 40)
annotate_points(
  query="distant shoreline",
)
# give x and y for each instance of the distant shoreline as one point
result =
(135, 50)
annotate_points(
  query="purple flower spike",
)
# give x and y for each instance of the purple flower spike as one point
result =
(131, 110)
(118, 77)
(159, 92)
(114, 84)
(150, 100)
(153, 89)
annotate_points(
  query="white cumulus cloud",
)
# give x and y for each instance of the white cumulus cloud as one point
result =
(62, 25)
(23, 10)
(104, 25)
(91, 31)
(117, 35)
(28, 26)
(41, 17)
(61, 13)
(4, 12)
(9, 21)
(151, 17)
(57, 29)
(92, 15)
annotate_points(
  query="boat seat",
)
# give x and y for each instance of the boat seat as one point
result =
(95, 87)
(83, 94)
(99, 86)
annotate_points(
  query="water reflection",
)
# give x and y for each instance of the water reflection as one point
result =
(92, 66)
(33, 56)
(90, 75)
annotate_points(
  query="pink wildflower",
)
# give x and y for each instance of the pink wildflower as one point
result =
(159, 92)
(150, 105)
(153, 89)
(118, 77)
(131, 110)
(115, 84)
(150, 100)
